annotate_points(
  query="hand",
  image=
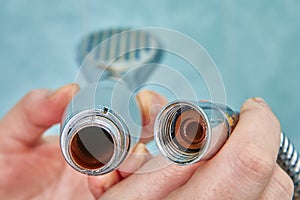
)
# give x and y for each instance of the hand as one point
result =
(32, 166)
(245, 168)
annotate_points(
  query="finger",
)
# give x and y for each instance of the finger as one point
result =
(99, 184)
(35, 113)
(138, 157)
(280, 186)
(53, 139)
(150, 103)
(244, 166)
(151, 183)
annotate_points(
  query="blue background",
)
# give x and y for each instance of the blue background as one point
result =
(255, 44)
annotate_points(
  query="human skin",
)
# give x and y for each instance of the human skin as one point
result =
(32, 166)
(245, 168)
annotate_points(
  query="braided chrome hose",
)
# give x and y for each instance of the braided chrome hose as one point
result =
(289, 160)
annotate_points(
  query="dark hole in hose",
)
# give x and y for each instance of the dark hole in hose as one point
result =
(189, 130)
(92, 147)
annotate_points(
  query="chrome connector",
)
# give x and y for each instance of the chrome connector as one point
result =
(187, 132)
(95, 141)
(100, 127)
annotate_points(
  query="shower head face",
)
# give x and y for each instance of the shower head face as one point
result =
(116, 51)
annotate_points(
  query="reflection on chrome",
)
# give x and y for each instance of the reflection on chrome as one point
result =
(187, 132)
(95, 137)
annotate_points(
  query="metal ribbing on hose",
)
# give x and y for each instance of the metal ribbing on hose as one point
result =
(289, 160)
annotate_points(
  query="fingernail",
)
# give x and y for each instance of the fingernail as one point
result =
(100, 184)
(74, 88)
(140, 148)
(260, 101)
(137, 158)
(155, 109)
(112, 179)
(204, 100)
(140, 153)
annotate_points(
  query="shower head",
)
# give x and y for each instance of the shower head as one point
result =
(117, 51)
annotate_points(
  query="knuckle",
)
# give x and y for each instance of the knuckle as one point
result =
(289, 188)
(171, 170)
(28, 100)
(31, 94)
(285, 185)
(30, 97)
(250, 165)
(31, 105)
(279, 187)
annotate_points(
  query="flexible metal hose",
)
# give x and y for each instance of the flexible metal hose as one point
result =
(289, 160)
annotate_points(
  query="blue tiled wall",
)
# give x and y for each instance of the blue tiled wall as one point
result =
(254, 43)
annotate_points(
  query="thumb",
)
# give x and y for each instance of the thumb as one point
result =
(35, 113)
(100, 184)
(150, 104)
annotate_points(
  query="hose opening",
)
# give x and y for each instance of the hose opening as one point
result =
(181, 132)
(92, 147)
